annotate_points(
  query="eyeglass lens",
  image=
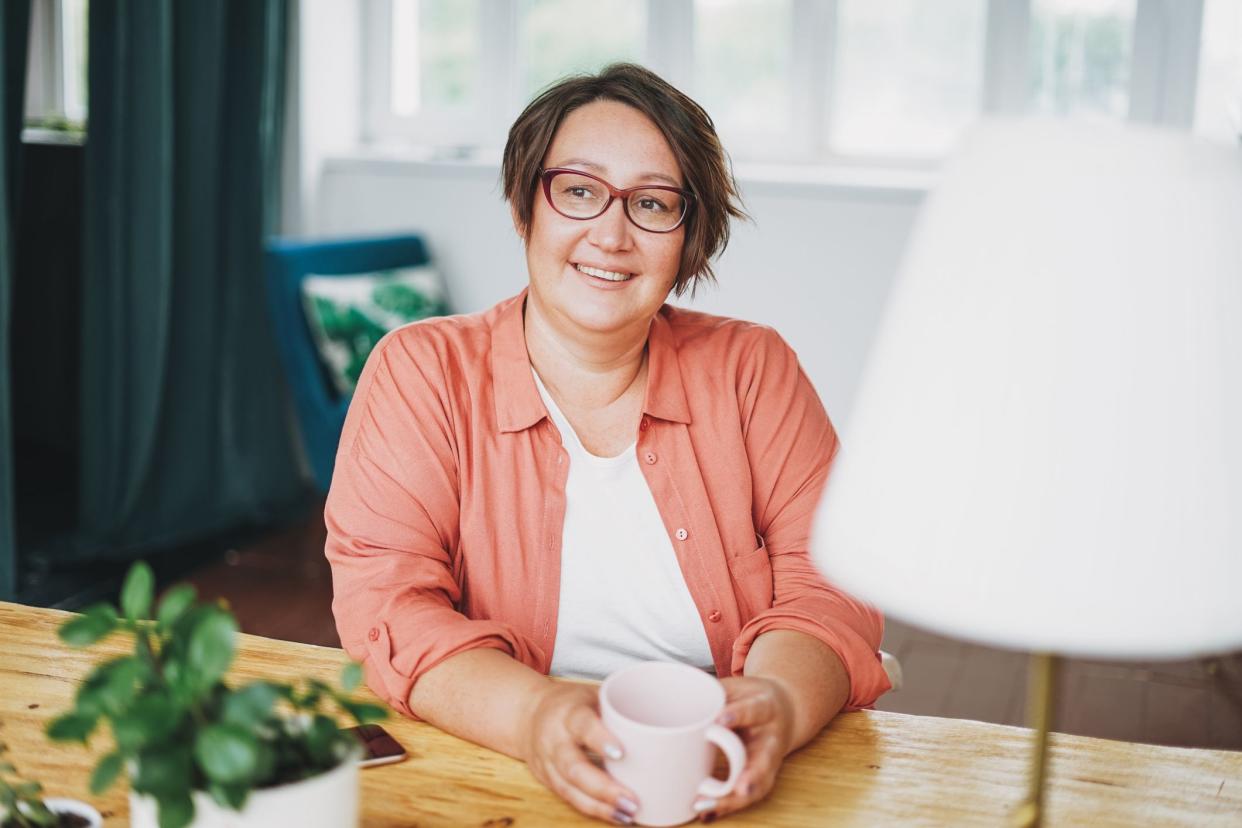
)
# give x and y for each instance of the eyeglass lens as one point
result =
(582, 197)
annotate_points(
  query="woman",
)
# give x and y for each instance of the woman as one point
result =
(583, 476)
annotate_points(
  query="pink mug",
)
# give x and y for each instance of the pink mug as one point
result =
(664, 715)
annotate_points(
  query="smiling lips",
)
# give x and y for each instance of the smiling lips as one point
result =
(610, 275)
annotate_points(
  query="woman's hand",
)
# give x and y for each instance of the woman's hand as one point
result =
(762, 711)
(566, 720)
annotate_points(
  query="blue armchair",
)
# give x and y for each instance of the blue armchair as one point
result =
(320, 409)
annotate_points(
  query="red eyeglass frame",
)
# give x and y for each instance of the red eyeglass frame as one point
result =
(546, 176)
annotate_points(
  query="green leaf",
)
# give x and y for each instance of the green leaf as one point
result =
(151, 719)
(306, 701)
(229, 796)
(112, 686)
(138, 592)
(250, 705)
(174, 604)
(27, 790)
(93, 624)
(363, 712)
(351, 677)
(321, 738)
(164, 771)
(180, 680)
(71, 727)
(265, 768)
(106, 772)
(35, 813)
(175, 810)
(226, 753)
(211, 647)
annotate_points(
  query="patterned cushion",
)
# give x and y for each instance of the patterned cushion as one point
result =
(348, 314)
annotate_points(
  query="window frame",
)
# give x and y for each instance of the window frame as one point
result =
(1162, 90)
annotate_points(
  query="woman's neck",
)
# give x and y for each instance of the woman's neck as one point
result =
(585, 369)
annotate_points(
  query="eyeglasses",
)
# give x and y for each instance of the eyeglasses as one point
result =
(581, 196)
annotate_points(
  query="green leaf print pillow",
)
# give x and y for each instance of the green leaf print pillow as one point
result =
(349, 314)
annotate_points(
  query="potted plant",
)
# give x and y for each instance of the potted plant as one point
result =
(23, 806)
(196, 750)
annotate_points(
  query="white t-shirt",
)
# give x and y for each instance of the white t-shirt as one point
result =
(623, 597)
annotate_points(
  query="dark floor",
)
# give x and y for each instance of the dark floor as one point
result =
(280, 587)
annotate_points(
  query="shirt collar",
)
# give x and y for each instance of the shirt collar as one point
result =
(518, 404)
(666, 395)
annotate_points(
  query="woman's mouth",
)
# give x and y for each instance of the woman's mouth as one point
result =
(609, 275)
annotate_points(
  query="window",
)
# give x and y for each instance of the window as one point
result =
(1218, 106)
(742, 64)
(1080, 57)
(891, 82)
(908, 75)
(56, 65)
(558, 37)
(435, 56)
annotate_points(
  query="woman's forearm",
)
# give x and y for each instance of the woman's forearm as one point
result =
(482, 695)
(809, 671)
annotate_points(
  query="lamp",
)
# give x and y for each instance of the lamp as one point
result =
(1046, 450)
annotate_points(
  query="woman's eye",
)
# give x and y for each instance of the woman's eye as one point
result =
(652, 205)
(579, 192)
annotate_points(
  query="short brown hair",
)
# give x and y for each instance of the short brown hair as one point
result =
(685, 125)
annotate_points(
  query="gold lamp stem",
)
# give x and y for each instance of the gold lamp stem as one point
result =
(1039, 717)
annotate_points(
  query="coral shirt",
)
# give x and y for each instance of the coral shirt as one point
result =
(448, 498)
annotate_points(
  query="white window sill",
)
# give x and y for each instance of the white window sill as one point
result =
(755, 179)
(57, 137)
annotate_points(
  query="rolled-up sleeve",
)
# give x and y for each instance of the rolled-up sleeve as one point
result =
(392, 521)
(790, 444)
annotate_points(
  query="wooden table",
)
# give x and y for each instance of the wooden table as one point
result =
(867, 768)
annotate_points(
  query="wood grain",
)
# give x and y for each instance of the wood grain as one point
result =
(867, 768)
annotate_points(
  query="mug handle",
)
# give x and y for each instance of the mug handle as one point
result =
(734, 751)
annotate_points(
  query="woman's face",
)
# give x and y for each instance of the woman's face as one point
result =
(621, 145)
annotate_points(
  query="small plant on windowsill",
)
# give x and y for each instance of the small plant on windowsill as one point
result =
(191, 744)
(22, 804)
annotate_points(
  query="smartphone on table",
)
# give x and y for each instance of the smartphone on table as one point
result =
(379, 747)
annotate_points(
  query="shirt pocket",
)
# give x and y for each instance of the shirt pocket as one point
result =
(752, 581)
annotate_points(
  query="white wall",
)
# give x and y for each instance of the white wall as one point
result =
(816, 264)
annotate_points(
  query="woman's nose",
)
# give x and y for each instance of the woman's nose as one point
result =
(611, 229)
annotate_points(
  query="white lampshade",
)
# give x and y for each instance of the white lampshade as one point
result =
(1046, 453)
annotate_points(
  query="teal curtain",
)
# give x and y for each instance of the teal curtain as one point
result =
(185, 425)
(14, 36)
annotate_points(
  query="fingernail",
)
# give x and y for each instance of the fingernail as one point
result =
(704, 805)
(628, 805)
(613, 752)
(622, 817)
(747, 788)
(727, 719)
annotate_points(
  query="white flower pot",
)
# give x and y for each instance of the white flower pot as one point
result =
(329, 800)
(63, 805)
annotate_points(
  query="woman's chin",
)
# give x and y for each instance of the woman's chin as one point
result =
(601, 320)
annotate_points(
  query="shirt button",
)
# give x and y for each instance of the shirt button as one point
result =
(682, 534)
(714, 616)
(373, 634)
(651, 458)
